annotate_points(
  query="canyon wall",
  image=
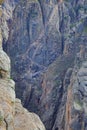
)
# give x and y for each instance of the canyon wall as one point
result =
(12, 114)
(46, 41)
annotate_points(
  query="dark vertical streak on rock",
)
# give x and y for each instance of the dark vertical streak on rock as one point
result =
(28, 26)
(6, 124)
(58, 104)
(28, 98)
(42, 11)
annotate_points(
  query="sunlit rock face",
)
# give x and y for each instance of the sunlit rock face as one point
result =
(45, 39)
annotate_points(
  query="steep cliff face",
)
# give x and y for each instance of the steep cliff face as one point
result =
(76, 106)
(46, 39)
(12, 114)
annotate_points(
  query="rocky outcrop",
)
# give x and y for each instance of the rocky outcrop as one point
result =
(46, 39)
(25, 120)
(12, 114)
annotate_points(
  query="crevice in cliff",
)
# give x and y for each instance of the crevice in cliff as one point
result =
(2, 73)
(57, 108)
(6, 124)
(61, 29)
(28, 98)
(42, 11)
(28, 26)
(62, 44)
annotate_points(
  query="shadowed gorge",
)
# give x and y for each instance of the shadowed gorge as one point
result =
(46, 41)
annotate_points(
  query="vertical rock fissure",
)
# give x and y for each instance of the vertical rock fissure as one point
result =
(42, 11)
(6, 124)
(61, 92)
(26, 103)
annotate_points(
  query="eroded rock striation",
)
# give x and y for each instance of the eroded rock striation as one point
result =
(12, 114)
(76, 106)
(46, 41)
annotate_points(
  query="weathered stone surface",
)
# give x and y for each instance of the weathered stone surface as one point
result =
(76, 106)
(22, 116)
(4, 65)
(46, 39)
(12, 114)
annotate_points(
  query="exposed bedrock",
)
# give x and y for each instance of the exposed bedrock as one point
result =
(45, 39)
(13, 116)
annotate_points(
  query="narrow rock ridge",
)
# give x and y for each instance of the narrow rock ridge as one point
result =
(76, 105)
(12, 114)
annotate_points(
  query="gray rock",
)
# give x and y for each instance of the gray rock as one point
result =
(45, 39)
